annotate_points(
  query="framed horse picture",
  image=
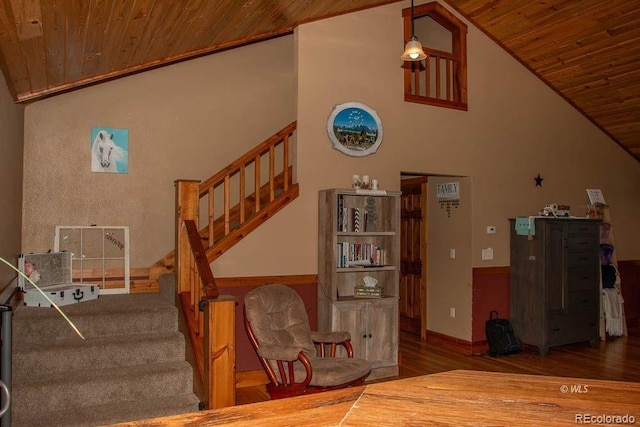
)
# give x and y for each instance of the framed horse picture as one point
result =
(354, 129)
(109, 150)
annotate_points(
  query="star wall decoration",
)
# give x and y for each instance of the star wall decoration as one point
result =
(538, 180)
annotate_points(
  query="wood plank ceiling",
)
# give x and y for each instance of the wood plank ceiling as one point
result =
(588, 51)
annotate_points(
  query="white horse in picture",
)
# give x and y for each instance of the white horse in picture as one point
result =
(105, 153)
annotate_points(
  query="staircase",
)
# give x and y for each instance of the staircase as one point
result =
(236, 201)
(130, 367)
(132, 364)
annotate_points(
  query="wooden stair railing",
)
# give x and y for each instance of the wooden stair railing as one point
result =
(215, 317)
(234, 206)
(219, 187)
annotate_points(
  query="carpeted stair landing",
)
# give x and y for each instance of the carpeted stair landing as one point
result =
(130, 367)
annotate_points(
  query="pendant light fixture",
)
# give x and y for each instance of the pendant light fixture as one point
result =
(413, 49)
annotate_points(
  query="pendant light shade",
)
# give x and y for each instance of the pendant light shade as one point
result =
(413, 49)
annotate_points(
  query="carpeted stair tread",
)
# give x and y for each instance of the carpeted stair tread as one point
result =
(107, 316)
(131, 365)
(117, 412)
(97, 353)
(89, 387)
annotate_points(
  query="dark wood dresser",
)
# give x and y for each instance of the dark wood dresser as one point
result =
(555, 282)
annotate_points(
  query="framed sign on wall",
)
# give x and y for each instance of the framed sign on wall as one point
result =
(354, 129)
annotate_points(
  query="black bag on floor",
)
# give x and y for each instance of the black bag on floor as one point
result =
(500, 336)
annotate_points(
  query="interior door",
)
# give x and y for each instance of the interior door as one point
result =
(413, 256)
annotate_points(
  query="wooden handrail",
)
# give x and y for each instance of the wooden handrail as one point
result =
(239, 167)
(206, 276)
(247, 158)
(196, 285)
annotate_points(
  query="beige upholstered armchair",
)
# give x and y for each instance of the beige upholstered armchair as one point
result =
(297, 360)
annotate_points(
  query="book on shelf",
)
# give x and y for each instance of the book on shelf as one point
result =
(341, 213)
(352, 220)
(359, 255)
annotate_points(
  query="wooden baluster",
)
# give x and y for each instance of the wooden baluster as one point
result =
(285, 162)
(456, 81)
(438, 73)
(227, 202)
(257, 183)
(448, 62)
(193, 288)
(272, 162)
(211, 217)
(198, 291)
(415, 68)
(242, 193)
(427, 72)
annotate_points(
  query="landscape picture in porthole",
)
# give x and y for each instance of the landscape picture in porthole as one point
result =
(354, 129)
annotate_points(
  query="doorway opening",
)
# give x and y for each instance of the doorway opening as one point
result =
(435, 255)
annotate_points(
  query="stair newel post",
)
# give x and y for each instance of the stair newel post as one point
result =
(187, 205)
(220, 351)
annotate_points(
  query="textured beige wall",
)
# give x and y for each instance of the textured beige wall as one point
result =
(516, 127)
(11, 137)
(449, 279)
(185, 121)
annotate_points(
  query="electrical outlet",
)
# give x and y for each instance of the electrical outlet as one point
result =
(452, 312)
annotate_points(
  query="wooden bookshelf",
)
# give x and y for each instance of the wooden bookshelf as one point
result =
(372, 321)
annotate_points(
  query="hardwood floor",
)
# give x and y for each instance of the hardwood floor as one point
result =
(616, 359)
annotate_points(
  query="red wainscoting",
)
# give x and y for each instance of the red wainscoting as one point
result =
(490, 292)
(630, 284)
(246, 359)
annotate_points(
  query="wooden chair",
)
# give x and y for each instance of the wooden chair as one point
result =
(297, 361)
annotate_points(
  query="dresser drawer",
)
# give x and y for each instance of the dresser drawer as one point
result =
(577, 228)
(584, 302)
(579, 279)
(582, 259)
(587, 242)
(570, 329)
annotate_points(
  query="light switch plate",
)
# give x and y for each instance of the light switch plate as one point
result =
(487, 254)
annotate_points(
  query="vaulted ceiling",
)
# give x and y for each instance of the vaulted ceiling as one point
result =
(588, 51)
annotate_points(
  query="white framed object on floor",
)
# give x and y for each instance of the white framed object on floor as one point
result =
(99, 255)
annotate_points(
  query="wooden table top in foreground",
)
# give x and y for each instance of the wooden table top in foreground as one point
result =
(454, 398)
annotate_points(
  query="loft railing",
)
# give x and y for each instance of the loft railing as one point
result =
(440, 79)
(234, 202)
(435, 81)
